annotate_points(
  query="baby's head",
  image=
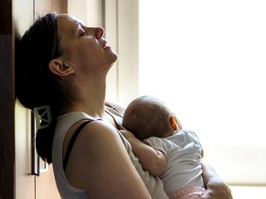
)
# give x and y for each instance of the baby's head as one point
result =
(148, 116)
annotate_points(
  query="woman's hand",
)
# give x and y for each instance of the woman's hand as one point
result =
(216, 188)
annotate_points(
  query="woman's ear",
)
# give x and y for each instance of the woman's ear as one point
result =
(57, 67)
(174, 123)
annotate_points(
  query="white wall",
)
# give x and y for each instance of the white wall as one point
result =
(89, 11)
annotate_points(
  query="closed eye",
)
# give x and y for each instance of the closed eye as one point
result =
(81, 30)
(82, 33)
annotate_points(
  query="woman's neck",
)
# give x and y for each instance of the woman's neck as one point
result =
(91, 99)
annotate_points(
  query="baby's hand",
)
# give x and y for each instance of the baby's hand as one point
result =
(127, 134)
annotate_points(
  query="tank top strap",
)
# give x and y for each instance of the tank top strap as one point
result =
(73, 139)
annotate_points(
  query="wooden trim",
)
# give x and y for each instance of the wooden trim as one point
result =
(7, 133)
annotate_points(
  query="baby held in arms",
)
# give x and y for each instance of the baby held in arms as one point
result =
(164, 149)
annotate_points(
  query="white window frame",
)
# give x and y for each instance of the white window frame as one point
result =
(121, 25)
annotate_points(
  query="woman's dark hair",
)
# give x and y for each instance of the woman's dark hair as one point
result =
(35, 84)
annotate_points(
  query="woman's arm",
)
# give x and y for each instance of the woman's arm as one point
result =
(99, 163)
(216, 188)
(151, 160)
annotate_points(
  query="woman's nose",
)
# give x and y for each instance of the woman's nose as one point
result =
(99, 32)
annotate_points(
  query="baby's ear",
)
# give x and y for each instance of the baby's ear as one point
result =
(58, 68)
(174, 123)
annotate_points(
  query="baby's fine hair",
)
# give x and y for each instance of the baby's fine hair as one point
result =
(147, 116)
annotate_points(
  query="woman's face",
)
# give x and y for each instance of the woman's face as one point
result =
(83, 47)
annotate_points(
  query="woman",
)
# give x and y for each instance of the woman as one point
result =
(62, 63)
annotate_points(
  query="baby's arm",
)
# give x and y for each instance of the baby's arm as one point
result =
(152, 160)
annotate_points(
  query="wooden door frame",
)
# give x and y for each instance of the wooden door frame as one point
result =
(7, 101)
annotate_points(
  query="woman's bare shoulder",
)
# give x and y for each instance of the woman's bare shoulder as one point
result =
(98, 158)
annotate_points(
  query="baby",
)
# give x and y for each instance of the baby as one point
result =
(164, 148)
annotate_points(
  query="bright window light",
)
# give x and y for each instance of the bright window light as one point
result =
(206, 59)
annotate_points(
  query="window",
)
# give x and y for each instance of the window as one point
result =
(206, 60)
